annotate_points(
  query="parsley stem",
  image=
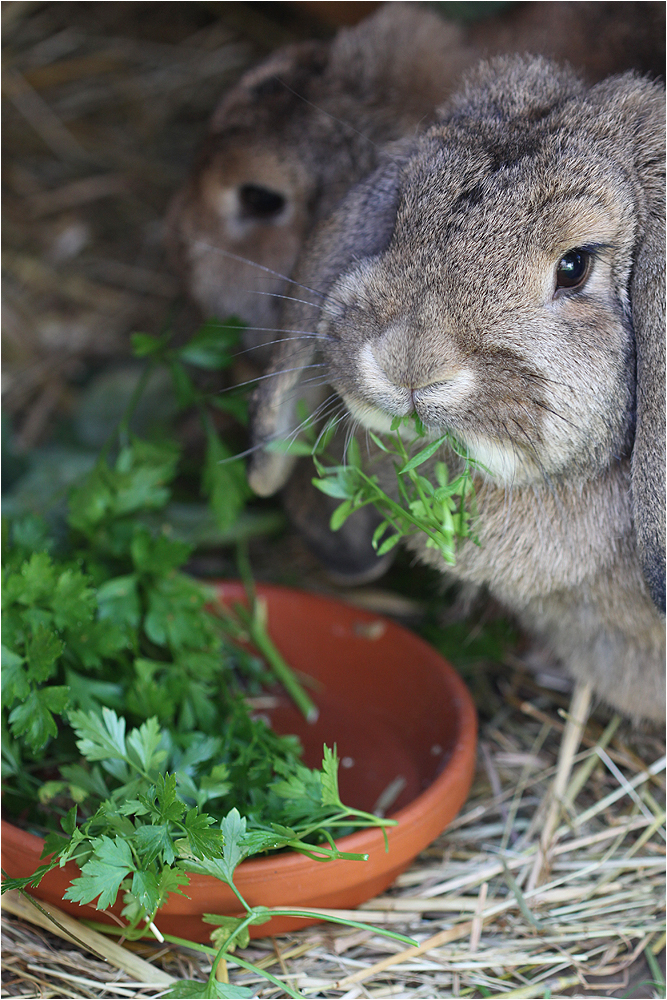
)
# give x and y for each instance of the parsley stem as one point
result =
(289, 990)
(330, 918)
(254, 621)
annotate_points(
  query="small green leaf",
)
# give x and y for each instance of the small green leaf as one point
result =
(48, 791)
(292, 447)
(38, 578)
(99, 738)
(91, 502)
(145, 889)
(102, 876)
(378, 533)
(73, 600)
(233, 829)
(201, 838)
(341, 514)
(33, 718)
(353, 454)
(68, 822)
(224, 482)
(210, 348)
(144, 345)
(379, 442)
(337, 488)
(42, 651)
(155, 841)
(144, 742)
(441, 473)
(225, 927)
(118, 601)
(329, 779)
(210, 990)
(157, 555)
(389, 544)
(184, 388)
(15, 684)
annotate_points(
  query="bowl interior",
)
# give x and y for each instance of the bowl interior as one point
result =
(384, 698)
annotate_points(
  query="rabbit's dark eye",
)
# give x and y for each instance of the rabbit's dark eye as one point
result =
(573, 269)
(260, 202)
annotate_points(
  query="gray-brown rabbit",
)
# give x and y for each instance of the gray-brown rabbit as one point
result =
(503, 277)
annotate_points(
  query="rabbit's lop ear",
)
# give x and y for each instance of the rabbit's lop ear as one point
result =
(361, 227)
(274, 412)
(648, 456)
(642, 105)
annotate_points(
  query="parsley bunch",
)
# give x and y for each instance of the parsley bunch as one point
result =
(126, 729)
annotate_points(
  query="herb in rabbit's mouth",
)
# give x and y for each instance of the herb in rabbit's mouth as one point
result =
(442, 510)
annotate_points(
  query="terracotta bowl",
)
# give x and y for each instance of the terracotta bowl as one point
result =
(394, 707)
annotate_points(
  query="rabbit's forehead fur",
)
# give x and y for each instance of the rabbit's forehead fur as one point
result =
(457, 318)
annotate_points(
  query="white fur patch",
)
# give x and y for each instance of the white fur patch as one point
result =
(502, 463)
(449, 391)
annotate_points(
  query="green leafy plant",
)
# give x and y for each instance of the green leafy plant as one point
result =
(127, 734)
(210, 349)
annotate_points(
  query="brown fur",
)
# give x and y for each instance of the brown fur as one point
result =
(438, 275)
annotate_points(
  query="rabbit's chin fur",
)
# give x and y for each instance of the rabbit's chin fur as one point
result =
(445, 297)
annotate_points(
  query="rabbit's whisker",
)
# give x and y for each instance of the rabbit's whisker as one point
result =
(316, 414)
(333, 118)
(277, 295)
(202, 245)
(271, 343)
(331, 423)
(274, 437)
(260, 378)
(351, 430)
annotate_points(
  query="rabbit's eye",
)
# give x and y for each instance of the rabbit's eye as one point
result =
(260, 202)
(573, 269)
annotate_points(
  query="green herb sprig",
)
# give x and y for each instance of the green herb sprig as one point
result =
(443, 510)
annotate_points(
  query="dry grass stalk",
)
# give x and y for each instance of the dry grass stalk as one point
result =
(63, 925)
(581, 701)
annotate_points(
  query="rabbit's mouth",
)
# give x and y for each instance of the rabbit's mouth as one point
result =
(499, 461)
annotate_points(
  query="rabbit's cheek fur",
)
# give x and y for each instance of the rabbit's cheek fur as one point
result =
(531, 396)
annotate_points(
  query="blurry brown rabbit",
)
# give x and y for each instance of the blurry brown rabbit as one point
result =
(286, 144)
(503, 278)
